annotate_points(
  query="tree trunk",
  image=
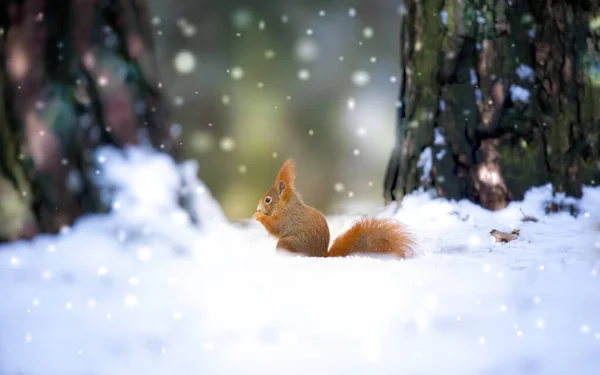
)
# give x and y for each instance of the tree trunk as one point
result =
(74, 75)
(497, 97)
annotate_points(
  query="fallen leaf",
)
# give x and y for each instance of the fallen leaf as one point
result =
(516, 232)
(502, 236)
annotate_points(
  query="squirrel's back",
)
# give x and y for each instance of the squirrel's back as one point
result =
(375, 236)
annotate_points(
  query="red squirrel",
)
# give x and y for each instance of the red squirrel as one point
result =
(303, 230)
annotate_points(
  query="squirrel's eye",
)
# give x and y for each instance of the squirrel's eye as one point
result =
(268, 200)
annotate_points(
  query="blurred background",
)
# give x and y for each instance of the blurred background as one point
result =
(252, 83)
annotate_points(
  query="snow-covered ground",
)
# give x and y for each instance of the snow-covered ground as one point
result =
(143, 291)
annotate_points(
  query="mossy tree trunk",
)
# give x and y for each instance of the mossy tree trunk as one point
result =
(74, 75)
(497, 97)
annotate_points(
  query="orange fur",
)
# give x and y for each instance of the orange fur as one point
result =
(287, 175)
(378, 236)
(303, 229)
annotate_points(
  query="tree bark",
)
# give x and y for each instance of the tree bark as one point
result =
(497, 97)
(74, 75)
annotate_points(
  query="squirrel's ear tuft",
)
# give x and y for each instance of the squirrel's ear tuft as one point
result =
(286, 176)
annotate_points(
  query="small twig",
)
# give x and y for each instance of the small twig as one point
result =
(527, 218)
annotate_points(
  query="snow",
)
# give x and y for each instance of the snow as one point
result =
(425, 163)
(519, 94)
(444, 17)
(478, 96)
(438, 135)
(473, 76)
(440, 154)
(525, 72)
(143, 290)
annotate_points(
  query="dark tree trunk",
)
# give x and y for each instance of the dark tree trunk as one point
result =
(74, 75)
(497, 97)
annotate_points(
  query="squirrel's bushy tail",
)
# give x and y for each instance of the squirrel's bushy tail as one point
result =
(375, 236)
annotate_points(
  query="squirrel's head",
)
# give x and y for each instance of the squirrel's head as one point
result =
(281, 191)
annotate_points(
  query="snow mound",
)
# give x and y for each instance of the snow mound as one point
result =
(145, 290)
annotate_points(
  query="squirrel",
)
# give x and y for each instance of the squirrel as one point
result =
(303, 230)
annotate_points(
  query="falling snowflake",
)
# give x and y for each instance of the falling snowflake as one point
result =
(269, 54)
(361, 78)
(307, 49)
(227, 144)
(303, 74)
(584, 328)
(184, 62)
(351, 104)
(237, 73)
(368, 32)
(540, 323)
(102, 81)
(186, 28)
(178, 101)
(242, 18)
